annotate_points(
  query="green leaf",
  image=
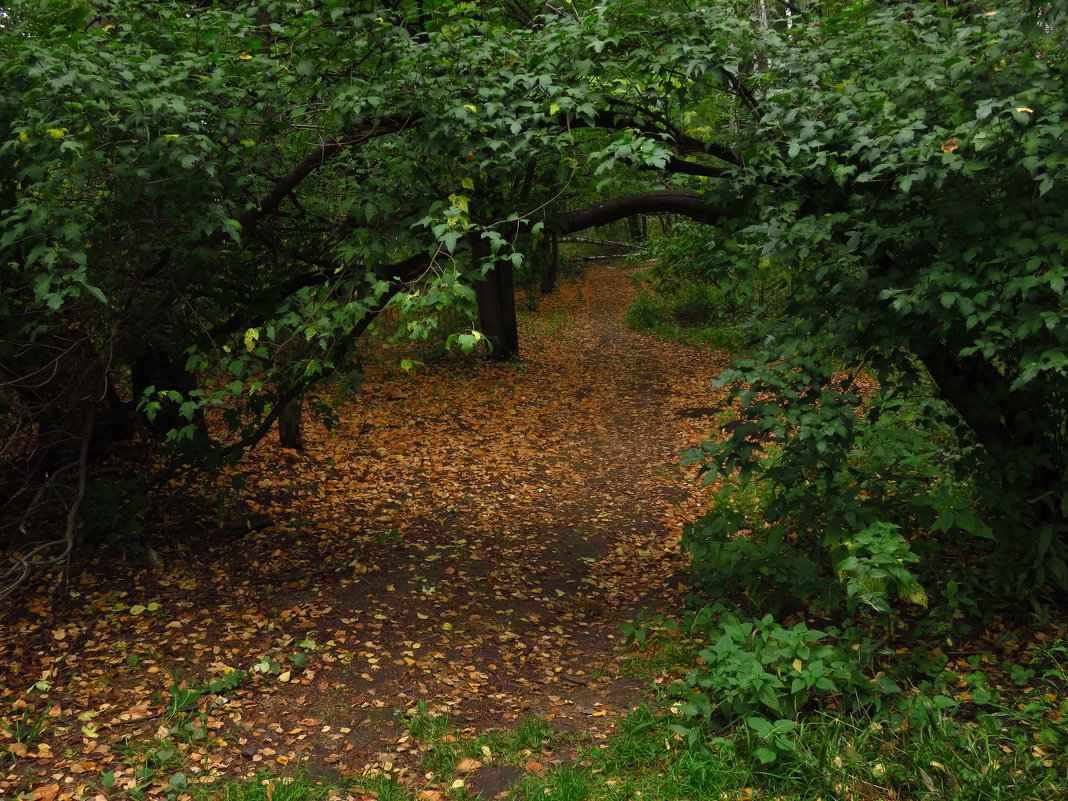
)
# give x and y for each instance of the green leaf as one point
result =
(765, 755)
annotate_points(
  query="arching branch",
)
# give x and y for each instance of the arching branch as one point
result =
(665, 201)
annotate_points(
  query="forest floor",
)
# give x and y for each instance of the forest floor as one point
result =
(467, 541)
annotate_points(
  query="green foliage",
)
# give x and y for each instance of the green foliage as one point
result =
(762, 671)
(268, 787)
(840, 514)
(530, 735)
(875, 568)
(24, 726)
(917, 196)
(708, 287)
(200, 213)
(823, 756)
(740, 283)
(690, 312)
(569, 783)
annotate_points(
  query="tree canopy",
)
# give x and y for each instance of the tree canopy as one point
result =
(202, 205)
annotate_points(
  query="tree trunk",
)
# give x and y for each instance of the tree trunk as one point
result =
(496, 303)
(634, 228)
(289, 432)
(551, 266)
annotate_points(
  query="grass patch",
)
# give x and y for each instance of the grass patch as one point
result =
(691, 312)
(829, 757)
(553, 324)
(268, 787)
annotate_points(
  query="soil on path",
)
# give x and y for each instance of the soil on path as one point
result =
(471, 536)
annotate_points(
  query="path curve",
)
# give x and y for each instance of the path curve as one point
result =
(472, 536)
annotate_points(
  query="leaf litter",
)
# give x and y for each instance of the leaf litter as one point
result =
(467, 541)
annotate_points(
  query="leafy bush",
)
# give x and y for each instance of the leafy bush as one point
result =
(691, 312)
(727, 265)
(840, 515)
(709, 287)
(763, 667)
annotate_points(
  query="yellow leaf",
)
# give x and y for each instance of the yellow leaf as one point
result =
(470, 108)
(467, 764)
(458, 784)
(285, 676)
(169, 137)
(245, 57)
(136, 609)
(23, 137)
(56, 133)
(949, 145)
(555, 107)
(446, 626)
(798, 664)
(916, 595)
(1021, 110)
(59, 634)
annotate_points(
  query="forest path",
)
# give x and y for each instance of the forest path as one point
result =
(471, 536)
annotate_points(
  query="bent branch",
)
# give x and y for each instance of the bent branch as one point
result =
(664, 201)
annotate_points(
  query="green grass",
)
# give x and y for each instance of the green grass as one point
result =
(832, 757)
(690, 314)
(912, 752)
(531, 734)
(268, 787)
(554, 324)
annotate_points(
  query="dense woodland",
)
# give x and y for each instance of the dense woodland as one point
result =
(213, 214)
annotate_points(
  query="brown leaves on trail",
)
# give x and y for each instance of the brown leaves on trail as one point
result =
(471, 535)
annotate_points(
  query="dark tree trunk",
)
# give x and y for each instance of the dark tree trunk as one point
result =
(289, 431)
(496, 303)
(551, 266)
(634, 228)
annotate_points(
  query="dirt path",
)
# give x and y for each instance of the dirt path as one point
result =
(472, 537)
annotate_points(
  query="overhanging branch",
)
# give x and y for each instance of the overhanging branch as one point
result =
(665, 201)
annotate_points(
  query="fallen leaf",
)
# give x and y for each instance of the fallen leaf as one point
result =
(18, 749)
(46, 792)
